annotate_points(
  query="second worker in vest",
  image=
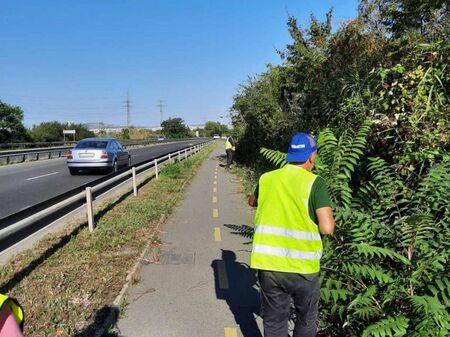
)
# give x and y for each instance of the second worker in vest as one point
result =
(293, 209)
(230, 148)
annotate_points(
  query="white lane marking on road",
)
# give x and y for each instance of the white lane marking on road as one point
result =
(45, 175)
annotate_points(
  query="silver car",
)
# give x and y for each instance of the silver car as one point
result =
(97, 153)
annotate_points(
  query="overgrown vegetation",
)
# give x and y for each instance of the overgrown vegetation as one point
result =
(175, 128)
(67, 281)
(385, 270)
(11, 124)
(53, 132)
(376, 92)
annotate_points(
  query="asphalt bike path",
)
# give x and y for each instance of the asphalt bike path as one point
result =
(197, 282)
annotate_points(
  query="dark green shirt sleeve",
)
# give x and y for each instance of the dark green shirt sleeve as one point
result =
(256, 194)
(319, 197)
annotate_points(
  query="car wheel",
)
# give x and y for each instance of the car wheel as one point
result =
(73, 171)
(115, 167)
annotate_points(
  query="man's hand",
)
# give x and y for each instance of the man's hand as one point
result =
(326, 220)
(252, 201)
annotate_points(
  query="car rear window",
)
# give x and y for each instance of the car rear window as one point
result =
(92, 144)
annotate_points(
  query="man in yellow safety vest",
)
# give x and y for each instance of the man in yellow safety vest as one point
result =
(230, 148)
(293, 209)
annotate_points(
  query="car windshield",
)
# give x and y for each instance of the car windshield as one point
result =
(92, 144)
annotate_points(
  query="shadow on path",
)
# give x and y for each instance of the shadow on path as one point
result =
(98, 327)
(235, 283)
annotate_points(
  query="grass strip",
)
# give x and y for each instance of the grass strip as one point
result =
(69, 278)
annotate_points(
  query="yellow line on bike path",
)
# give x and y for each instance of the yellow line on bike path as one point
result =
(217, 234)
(214, 200)
(215, 213)
(230, 332)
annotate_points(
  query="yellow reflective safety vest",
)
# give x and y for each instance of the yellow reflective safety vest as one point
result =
(228, 144)
(286, 239)
(15, 308)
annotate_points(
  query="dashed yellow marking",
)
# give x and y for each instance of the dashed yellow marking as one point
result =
(215, 182)
(215, 213)
(223, 277)
(217, 234)
(214, 199)
(230, 332)
(215, 177)
(215, 189)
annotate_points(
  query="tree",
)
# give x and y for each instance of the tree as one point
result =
(53, 131)
(11, 124)
(174, 128)
(215, 128)
(426, 17)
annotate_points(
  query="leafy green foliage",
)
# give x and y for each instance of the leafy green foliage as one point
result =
(384, 270)
(12, 129)
(174, 128)
(385, 74)
(215, 128)
(53, 132)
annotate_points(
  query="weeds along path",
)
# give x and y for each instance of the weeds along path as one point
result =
(66, 282)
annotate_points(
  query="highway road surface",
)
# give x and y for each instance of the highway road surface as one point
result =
(26, 184)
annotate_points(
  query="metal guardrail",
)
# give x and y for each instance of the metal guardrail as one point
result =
(12, 146)
(76, 196)
(60, 151)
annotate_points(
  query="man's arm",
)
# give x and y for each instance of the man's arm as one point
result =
(252, 201)
(325, 219)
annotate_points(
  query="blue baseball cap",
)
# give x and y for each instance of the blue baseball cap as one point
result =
(302, 146)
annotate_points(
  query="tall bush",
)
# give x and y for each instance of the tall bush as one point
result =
(385, 270)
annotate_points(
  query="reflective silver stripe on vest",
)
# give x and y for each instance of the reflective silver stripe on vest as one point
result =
(290, 233)
(294, 254)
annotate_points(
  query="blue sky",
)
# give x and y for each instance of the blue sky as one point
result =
(75, 60)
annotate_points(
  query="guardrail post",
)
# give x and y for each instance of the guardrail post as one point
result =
(89, 209)
(49, 155)
(135, 191)
(185, 153)
(7, 159)
(179, 156)
(23, 158)
(170, 159)
(156, 169)
(37, 156)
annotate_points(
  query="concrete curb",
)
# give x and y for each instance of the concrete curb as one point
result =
(114, 309)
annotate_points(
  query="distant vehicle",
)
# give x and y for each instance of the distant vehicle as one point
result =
(216, 136)
(161, 138)
(97, 153)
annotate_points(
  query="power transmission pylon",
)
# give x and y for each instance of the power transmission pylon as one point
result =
(128, 106)
(161, 106)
